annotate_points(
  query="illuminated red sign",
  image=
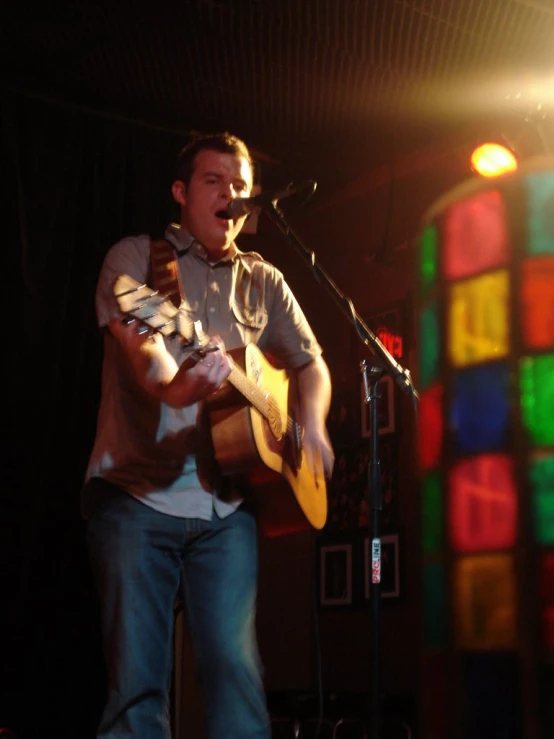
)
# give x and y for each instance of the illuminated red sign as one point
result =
(392, 342)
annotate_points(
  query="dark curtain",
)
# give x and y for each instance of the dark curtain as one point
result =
(73, 183)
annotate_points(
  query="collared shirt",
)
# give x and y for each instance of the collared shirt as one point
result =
(156, 452)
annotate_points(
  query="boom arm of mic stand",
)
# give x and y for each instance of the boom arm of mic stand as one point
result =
(400, 374)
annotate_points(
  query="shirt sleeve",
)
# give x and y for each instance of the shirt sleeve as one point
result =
(289, 336)
(131, 256)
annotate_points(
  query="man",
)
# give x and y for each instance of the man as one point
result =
(152, 511)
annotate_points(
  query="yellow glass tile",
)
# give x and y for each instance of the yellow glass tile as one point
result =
(485, 602)
(478, 319)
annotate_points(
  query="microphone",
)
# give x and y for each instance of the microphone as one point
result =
(239, 207)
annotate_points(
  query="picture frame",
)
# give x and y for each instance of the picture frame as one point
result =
(385, 405)
(336, 582)
(390, 566)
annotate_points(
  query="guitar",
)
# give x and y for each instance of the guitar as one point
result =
(255, 436)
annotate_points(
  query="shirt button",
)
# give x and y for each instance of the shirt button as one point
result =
(212, 309)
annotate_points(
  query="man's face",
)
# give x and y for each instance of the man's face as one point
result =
(216, 179)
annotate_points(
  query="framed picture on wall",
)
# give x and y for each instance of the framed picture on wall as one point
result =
(390, 566)
(335, 574)
(385, 406)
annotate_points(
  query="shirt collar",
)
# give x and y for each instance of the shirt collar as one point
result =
(182, 241)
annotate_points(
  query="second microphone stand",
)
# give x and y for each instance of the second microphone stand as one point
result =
(387, 364)
(371, 377)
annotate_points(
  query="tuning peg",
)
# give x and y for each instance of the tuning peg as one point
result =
(128, 320)
(142, 304)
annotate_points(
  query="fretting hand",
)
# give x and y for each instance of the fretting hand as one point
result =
(196, 380)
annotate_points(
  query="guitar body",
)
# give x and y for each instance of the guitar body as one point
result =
(271, 468)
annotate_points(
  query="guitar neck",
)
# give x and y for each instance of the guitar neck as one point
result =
(262, 400)
(249, 390)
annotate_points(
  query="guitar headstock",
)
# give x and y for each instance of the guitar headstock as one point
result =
(147, 305)
(158, 312)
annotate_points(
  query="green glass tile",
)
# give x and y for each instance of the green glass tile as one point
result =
(432, 520)
(428, 256)
(541, 478)
(435, 602)
(429, 345)
(537, 398)
(540, 193)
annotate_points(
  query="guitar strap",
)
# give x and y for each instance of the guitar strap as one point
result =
(165, 271)
(166, 278)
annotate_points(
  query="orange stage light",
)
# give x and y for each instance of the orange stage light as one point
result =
(493, 160)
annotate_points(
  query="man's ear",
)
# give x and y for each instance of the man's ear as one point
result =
(179, 190)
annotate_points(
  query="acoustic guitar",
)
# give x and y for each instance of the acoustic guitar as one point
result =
(256, 438)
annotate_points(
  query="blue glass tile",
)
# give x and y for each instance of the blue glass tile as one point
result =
(479, 410)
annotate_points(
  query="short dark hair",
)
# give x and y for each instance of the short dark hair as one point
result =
(223, 142)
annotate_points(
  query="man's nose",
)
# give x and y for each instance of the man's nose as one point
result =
(228, 191)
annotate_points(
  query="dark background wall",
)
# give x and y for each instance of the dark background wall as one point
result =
(74, 183)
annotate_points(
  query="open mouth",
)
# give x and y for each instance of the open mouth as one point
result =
(223, 215)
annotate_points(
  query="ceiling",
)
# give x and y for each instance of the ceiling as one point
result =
(328, 88)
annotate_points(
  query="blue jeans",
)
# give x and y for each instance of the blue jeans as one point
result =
(137, 556)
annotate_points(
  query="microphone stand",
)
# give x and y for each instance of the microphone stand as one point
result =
(387, 364)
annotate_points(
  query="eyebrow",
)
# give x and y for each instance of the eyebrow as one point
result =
(220, 176)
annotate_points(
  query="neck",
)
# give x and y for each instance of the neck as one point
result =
(216, 253)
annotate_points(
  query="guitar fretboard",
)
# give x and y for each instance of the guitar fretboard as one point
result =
(262, 402)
